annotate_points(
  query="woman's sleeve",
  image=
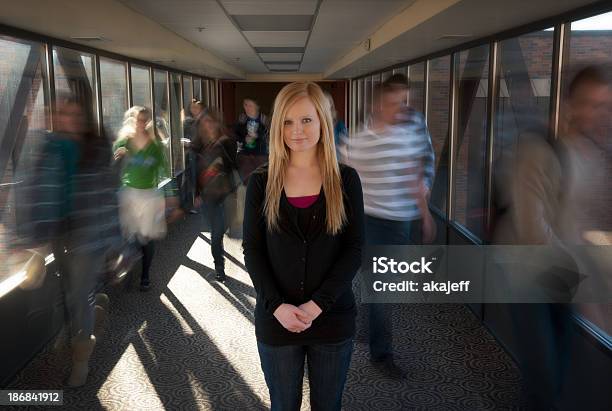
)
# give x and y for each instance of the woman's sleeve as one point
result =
(122, 142)
(340, 277)
(255, 246)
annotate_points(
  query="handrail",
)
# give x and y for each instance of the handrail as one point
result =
(27, 273)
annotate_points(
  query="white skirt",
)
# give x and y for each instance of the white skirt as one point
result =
(142, 213)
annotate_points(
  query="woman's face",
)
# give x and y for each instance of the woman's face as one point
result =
(195, 109)
(209, 127)
(70, 118)
(302, 127)
(141, 122)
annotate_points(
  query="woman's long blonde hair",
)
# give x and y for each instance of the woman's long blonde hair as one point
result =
(326, 154)
(128, 129)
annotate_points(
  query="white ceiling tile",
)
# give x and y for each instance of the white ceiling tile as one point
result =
(281, 56)
(270, 7)
(276, 38)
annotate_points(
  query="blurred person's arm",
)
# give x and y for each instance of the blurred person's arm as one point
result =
(119, 149)
(535, 191)
(428, 224)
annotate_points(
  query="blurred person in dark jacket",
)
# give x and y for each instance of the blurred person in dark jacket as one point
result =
(251, 132)
(216, 160)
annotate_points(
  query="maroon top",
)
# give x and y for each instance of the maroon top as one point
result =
(303, 202)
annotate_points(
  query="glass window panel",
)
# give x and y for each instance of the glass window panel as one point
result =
(162, 110)
(206, 93)
(438, 124)
(590, 42)
(177, 126)
(471, 70)
(213, 95)
(75, 75)
(523, 96)
(197, 89)
(113, 83)
(187, 92)
(416, 93)
(141, 86)
(23, 86)
(375, 84)
(386, 75)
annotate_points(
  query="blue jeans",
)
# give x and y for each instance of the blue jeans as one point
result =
(383, 232)
(216, 218)
(283, 368)
(80, 276)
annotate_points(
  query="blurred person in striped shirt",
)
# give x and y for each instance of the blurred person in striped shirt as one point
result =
(394, 157)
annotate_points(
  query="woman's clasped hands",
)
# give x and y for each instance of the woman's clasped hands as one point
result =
(297, 319)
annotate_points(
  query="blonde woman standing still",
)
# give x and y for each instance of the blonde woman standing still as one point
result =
(303, 235)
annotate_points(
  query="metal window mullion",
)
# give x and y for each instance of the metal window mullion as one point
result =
(152, 94)
(426, 90)
(182, 93)
(51, 83)
(560, 43)
(347, 108)
(97, 78)
(452, 131)
(128, 79)
(490, 135)
(169, 108)
(409, 85)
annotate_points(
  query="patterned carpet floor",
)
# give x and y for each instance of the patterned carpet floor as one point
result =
(189, 344)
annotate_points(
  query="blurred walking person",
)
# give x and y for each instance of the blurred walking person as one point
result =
(216, 160)
(394, 158)
(142, 203)
(71, 198)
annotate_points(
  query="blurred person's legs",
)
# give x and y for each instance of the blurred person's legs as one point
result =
(247, 163)
(384, 232)
(191, 181)
(283, 368)
(148, 251)
(541, 335)
(142, 214)
(215, 213)
(79, 278)
(328, 366)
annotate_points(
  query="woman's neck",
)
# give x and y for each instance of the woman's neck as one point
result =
(304, 159)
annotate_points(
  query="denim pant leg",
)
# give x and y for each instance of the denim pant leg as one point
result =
(216, 217)
(328, 366)
(80, 279)
(283, 368)
(383, 232)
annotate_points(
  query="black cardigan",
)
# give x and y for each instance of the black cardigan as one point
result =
(288, 266)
